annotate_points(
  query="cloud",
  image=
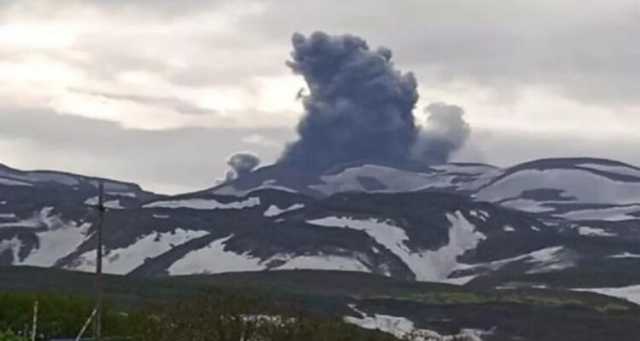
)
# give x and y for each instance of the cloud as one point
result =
(585, 52)
(172, 103)
(173, 160)
(445, 133)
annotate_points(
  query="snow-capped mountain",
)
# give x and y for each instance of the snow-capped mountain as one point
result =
(572, 223)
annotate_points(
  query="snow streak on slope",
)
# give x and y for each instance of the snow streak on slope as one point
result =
(392, 179)
(274, 210)
(55, 238)
(622, 170)
(619, 213)
(544, 260)
(56, 243)
(427, 265)
(323, 262)
(42, 218)
(214, 259)
(594, 232)
(205, 204)
(582, 185)
(9, 182)
(629, 293)
(405, 329)
(124, 260)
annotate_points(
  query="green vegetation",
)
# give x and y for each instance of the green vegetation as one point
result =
(9, 335)
(214, 316)
(298, 305)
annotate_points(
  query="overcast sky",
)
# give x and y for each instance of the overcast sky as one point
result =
(161, 92)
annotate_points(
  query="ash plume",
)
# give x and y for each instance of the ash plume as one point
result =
(445, 133)
(241, 164)
(359, 106)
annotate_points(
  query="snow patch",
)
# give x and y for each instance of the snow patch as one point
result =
(274, 210)
(112, 204)
(594, 232)
(508, 228)
(205, 204)
(9, 182)
(629, 293)
(124, 260)
(55, 243)
(427, 265)
(324, 262)
(42, 218)
(543, 260)
(585, 186)
(622, 170)
(625, 255)
(214, 259)
(405, 329)
(607, 214)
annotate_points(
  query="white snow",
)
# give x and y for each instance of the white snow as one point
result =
(56, 239)
(112, 204)
(549, 260)
(39, 219)
(543, 260)
(324, 262)
(405, 329)
(619, 213)
(625, 255)
(123, 194)
(214, 259)
(205, 204)
(527, 205)
(9, 182)
(53, 177)
(2, 203)
(56, 243)
(622, 170)
(8, 216)
(161, 216)
(124, 260)
(427, 265)
(594, 232)
(585, 186)
(267, 184)
(629, 293)
(508, 228)
(274, 210)
(392, 179)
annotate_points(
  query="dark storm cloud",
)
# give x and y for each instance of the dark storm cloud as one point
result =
(359, 105)
(172, 103)
(445, 133)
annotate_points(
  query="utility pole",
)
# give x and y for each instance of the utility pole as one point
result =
(99, 288)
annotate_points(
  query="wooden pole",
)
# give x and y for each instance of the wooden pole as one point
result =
(34, 327)
(99, 285)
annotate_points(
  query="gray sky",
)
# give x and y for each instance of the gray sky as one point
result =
(162, 92)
